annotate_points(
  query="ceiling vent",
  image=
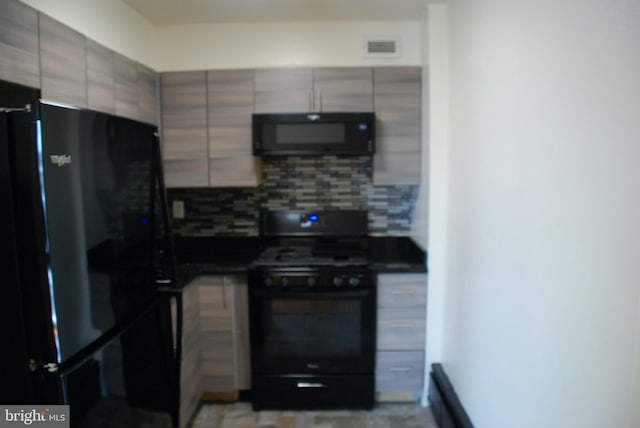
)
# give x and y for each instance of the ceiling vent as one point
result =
(381, 47)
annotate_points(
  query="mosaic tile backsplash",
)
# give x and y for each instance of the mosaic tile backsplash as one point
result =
(297, 183)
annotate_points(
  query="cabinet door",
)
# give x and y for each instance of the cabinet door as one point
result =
(216, 334)
(230, 106)
(343, 89)
(146, 94)
(19, 60)
(126, 86)
(240, 330)
(63, 70)
(401, 329)
(288, 90)
(398, 98)
(190, 367)
(184, 129)
(399, 370)
(100, 78)
(402, 290)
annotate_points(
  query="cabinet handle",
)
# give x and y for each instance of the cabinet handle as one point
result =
(310, 101)
(403, 292)
(404, 325)
(224, 297)
(400, 369)
(320, 96)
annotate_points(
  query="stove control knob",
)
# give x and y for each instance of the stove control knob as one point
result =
(268, 281)
(354, 281)
(312, 281)
(337, 281)
(284, 281)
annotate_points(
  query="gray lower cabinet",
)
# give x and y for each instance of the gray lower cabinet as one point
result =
(401, 333)
(215, 355)
(398, 100)
(19, 55)
(190, 378)
(224, 336)
(63, 72)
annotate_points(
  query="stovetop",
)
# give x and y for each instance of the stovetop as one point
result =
(294, 256)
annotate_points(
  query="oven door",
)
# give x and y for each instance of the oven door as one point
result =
(312, 331)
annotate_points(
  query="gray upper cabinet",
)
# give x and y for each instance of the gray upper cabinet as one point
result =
(119, 85)
(19, 61)
(63, 70)
(398, 99)
(100, 78)
(146, 94)
(230, 105)
(184, 128)
(126, 81)
(343, 89)
(300, 90)
(287, 90)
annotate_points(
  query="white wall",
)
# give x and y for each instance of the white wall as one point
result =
(111, 23)
(542, 298)
(254, 45)
(432, 201)
(117, 26)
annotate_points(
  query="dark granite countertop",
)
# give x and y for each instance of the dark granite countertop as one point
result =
(232, 255)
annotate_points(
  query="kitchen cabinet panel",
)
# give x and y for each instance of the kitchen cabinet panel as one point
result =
(230, 98)
(343, 89)
(184, 128)
(63, 70)
(399, 370)
(147, 99)
(406, 291)
(300, 90)
(126, 86)
(397, 103)
(19, 56)
(401, 324)
(190, 367)
(224, 335)
(401, 328)
(288, 90)
(100, 78)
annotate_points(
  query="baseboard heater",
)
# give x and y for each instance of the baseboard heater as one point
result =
(445, 404)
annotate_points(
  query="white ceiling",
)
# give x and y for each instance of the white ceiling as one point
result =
(216, 11)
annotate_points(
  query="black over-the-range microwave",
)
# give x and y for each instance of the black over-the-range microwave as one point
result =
(300, 134)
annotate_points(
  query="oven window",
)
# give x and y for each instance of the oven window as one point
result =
(312, 328)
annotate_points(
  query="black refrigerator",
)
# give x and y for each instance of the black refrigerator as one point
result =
(90, 317)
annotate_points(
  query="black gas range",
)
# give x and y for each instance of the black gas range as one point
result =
(312, 309)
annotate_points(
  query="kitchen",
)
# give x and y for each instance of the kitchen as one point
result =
(351, 182)
(492, 67)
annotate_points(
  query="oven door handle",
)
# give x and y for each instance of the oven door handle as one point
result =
(310, 385)
(312, 294)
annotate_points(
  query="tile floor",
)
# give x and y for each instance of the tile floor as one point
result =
(383, 415)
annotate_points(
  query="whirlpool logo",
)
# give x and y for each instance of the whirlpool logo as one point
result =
(60, 160)
(49, 416)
